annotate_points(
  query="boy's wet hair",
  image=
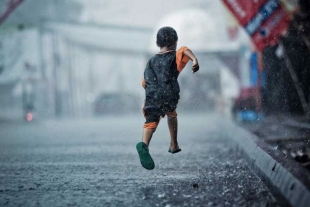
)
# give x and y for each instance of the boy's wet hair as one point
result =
(166, 36)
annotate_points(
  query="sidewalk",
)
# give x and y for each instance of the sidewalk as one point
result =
(277, 148)
(290, 135)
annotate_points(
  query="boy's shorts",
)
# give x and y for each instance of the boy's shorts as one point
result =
(153, 116)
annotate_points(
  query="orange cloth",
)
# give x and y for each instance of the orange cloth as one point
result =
(181, 59)
(151, 125)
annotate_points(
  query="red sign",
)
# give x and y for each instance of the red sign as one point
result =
(263, 20)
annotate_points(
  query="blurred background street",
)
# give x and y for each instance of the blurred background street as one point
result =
(71, 100)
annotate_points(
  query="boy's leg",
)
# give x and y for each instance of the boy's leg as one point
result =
(147, 135)
(143, 147)
(173, 129)
(148, 131)
(152, 120)
(149, 128)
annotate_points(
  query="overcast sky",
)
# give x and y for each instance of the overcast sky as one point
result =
(139, 13)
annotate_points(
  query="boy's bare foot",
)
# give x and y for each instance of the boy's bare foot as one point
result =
(174, 148)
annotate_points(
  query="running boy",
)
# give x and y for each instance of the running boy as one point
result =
(162, 91)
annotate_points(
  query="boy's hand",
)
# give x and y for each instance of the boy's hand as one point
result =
(195, 66)
(190, 54)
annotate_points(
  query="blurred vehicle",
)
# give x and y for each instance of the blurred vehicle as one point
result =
(246, 100)
(246, 105)
(114, 103)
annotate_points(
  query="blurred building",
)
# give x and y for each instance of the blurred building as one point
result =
(22, 82)
(20, 70)
(82, 62)
(71, 52)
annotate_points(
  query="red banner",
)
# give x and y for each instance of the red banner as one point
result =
(263, 20)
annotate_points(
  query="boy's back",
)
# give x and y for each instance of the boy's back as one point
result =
(161, 80)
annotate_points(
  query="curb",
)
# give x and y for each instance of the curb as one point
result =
(287, 179)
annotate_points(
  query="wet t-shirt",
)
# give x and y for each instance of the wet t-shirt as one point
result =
(161, 80)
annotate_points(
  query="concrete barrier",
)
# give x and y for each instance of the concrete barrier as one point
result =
(288, 180)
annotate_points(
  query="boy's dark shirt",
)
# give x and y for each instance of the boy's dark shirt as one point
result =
(162, 87)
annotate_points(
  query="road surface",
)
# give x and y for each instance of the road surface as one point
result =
(93, 162)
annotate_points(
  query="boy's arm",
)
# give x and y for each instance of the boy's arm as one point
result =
(143, 83)
(190, 54)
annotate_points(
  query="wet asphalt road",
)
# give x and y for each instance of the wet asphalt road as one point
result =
(93, 162)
